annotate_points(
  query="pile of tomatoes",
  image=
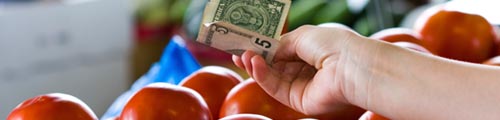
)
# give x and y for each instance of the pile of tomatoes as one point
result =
(450, 34)
(219, 93)
(210, 93)
(446, 33)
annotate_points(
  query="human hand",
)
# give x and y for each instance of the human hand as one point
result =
(311, 71)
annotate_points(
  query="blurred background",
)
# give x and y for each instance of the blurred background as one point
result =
(95, 49)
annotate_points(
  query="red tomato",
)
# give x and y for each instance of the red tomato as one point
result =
(249, 97)
(54, 106)
(411, 46)
(245, 117)
(162, 101)
(398, 35)
(495, 61)
(456, 35)
(372, 116)
(213, 83)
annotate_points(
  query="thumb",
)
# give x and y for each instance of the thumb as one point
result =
(288, 48)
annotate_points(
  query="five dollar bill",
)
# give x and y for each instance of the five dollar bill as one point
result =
(235, 26)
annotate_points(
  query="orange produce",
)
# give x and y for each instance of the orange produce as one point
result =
(54, 106)
(398, 35)
(249, 97)
(213, 83)
(456, 35)
(162, 101)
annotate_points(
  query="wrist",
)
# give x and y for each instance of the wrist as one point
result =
(361, 58)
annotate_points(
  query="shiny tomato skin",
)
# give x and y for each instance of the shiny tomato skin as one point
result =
(249, 97)
(398, 35)
(368, 115)
(245, 117)
(53, 106)
(163, 101)
(456, 35)
(213, 83)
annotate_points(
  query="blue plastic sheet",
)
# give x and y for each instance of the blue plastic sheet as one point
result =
(176, 63)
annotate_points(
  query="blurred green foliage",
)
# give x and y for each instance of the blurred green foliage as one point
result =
(364, 16)
(160, 12)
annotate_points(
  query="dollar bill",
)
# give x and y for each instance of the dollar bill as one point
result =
(266, 17)
(236, 40)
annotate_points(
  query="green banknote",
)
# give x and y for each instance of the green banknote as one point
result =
(236, 40)
(266, 17)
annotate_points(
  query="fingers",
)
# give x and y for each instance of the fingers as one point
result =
(269, 80)
(266, 77)
(244, 62)
(237, 61)
(246, 56)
